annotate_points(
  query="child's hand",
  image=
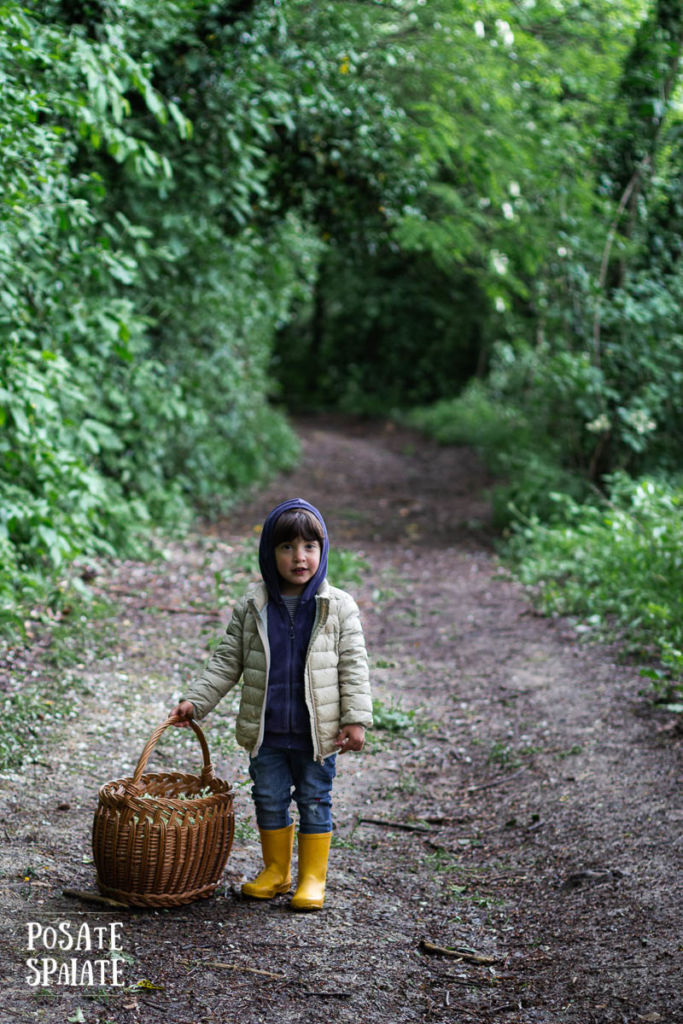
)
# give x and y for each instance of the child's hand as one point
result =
(184, 712)
(351, 737)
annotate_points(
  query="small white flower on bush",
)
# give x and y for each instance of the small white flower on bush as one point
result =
(505, 32)
(639, 420)
(600, 424)
(499, 261)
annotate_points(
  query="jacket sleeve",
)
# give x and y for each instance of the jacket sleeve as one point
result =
(224, 668)
(353, 672)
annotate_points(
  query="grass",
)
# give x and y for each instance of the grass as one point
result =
(346, 569)
(390, 720)
(392, 717)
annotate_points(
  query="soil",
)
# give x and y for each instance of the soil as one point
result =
(509, 852)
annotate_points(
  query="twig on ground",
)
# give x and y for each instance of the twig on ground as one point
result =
(154, 1006)
(459, 954)
(444, 822)
(404, 826)
(496, 782)
(94, 897)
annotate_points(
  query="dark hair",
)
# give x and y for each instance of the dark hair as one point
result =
(297, 522)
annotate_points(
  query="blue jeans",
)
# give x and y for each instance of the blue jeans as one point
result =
(282, 775)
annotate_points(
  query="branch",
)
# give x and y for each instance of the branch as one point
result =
(609, 241)
(394, 824)
(496, 782)
(459, 954)
(94, 897)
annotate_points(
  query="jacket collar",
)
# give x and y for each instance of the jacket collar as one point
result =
(257, 594)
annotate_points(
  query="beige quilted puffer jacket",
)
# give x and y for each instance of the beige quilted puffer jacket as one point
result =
(336, 673)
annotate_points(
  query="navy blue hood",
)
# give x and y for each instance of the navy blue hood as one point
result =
(266, 554)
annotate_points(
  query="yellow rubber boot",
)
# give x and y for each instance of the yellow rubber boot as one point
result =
(276, 877)
(314, 851)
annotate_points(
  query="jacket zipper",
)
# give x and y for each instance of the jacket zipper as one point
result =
(292, 639)
(320, 617)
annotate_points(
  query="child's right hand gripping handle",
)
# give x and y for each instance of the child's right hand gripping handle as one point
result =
(183, 713)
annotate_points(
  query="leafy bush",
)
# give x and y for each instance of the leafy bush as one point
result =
(138, 306)
(472, 418)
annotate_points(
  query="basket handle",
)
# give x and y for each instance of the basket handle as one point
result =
(207, 769)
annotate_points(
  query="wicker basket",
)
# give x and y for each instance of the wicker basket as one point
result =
(157, 841)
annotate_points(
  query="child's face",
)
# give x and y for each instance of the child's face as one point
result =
(297, 562)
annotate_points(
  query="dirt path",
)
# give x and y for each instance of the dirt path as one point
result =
(526, 810)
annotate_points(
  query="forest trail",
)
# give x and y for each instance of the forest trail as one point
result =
(525, 811)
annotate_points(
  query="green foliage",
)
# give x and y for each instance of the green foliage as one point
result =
(346, 568)
(56, 501)
(503, 109)
(617, 565)
(473, 419)
(139, 301)
(506, 245)
(392, 717)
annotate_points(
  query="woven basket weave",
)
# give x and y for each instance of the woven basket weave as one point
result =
(156, 841)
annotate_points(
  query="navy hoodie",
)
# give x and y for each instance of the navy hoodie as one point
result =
(288, 723)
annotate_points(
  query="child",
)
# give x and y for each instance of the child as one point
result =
(298, 644)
